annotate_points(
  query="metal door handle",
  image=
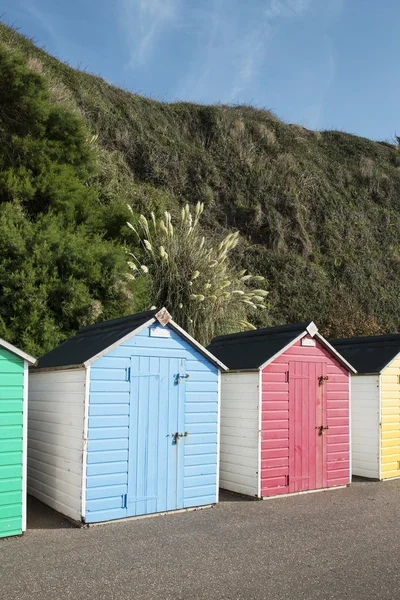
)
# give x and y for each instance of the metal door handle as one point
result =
(178, 435)
(321, 429)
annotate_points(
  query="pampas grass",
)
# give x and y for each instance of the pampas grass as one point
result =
(193, 278)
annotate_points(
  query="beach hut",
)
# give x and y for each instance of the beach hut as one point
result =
(13, 435)
(284, 411)
(375, 412)
(123, 421)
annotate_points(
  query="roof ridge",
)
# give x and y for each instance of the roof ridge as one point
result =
(119, 320)
(391, 337)
(260, 332)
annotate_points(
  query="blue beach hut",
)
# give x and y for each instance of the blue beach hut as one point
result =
(124, 421)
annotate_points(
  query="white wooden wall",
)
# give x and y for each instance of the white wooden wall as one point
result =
(55, 439)
(365, 415)
(240, 445)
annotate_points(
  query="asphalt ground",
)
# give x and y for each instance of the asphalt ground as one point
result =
(338, 544)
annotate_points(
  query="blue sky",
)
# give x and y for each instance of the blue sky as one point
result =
(320, 63)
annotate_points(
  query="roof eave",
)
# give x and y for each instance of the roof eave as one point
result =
(57, 368)
(18, 352)
(198, 346)
(367, 373)
(339, 357)
(275, 356)
(390, 362)
(254, 370)
(125, 338)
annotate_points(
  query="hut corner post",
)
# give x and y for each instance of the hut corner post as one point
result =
(259, 430)
(85, 442)
(25, 446)
(219, 434)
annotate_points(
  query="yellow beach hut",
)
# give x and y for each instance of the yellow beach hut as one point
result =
(375, 404)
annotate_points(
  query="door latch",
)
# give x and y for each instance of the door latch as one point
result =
(176, 436)
(180, 377)
(321, 429)
(322, 378)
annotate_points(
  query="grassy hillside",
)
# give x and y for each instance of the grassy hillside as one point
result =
(320, 211)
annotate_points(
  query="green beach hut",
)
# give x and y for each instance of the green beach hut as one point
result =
(13, 438)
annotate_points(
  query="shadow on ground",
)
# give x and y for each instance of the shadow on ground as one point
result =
(41, 516)
(357, 480)
(225, 496)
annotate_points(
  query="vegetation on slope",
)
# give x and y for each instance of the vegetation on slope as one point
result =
(58, 270)
(319, 210)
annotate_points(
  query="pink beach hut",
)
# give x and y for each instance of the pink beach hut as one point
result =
(284, 412)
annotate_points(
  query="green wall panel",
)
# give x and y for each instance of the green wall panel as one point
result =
(15, 392)
(10, 526)
(10, 406)
(10, 445)
(11, 434)
(8, 498)
(11, 485)
(10, 458)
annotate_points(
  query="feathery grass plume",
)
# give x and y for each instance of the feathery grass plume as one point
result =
(163, 228)
(132, 227)
(192, 275)
(247, 325)
(144, 224)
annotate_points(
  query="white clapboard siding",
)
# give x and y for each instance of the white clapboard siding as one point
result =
(55, 439)
(365, 425)
(239, 433)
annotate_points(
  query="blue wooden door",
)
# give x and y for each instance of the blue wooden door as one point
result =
(157, 409)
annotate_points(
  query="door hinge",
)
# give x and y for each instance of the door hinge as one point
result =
(128, 374)
(124, 500)
(287, 376)
(287, 480)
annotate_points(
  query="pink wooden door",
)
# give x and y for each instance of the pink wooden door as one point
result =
(307, 413)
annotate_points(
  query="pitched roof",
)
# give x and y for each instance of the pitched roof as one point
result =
(91, 340)
(97, 339)
(369, 354)
(17, 351)
(248, 350)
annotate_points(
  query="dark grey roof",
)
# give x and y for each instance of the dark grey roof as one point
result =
(251, 349)
(91, 340)
(368, 354)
